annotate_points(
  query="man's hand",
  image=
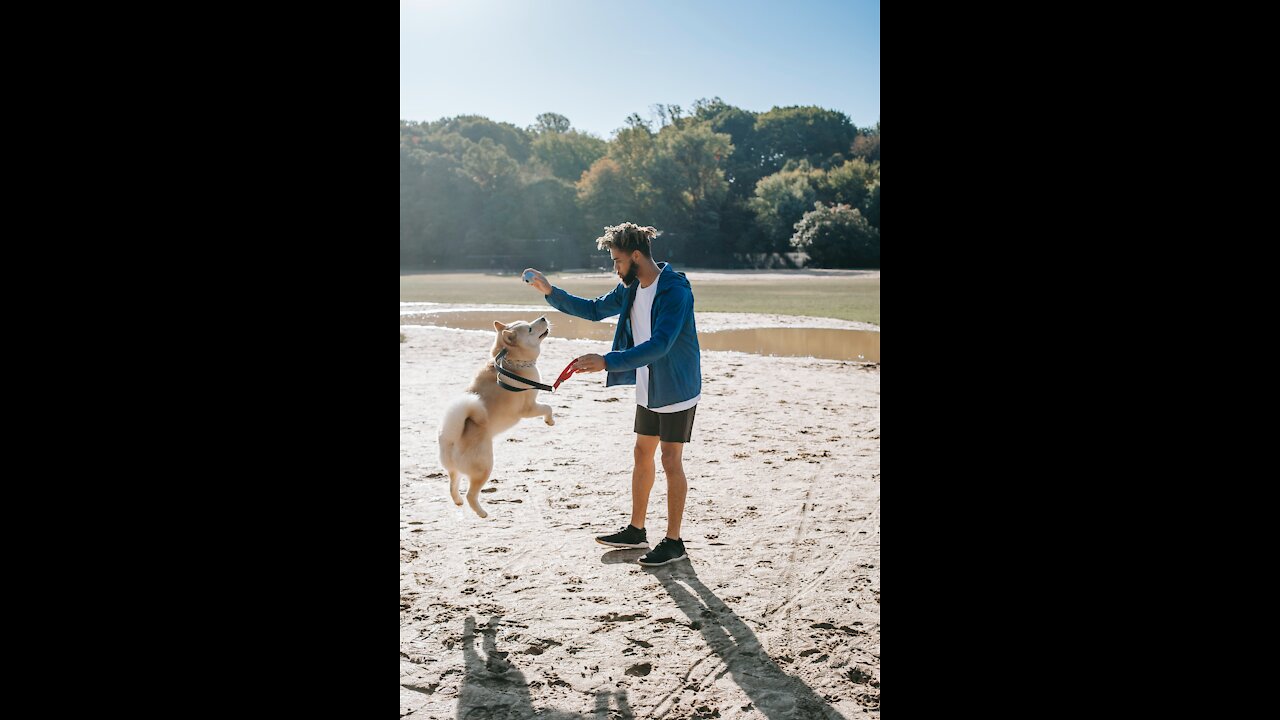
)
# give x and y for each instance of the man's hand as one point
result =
(537, 280)
(589, 363)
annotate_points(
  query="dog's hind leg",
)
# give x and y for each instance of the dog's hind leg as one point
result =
(453, 487)
(473, 493)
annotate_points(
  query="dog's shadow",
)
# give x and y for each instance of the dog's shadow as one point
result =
(495, 689)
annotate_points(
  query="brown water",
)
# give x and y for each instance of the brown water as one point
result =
(855, 345)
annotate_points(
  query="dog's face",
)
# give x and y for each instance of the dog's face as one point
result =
(522, 340)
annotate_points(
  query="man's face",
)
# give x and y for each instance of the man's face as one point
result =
(624, 265)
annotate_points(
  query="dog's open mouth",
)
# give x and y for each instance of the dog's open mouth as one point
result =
(544, 334)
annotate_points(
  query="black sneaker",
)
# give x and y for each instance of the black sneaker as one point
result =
(668, 551)
(627, 537)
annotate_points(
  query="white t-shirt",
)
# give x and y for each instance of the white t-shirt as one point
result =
(642, 330)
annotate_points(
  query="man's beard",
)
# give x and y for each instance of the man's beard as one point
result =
(630, 277)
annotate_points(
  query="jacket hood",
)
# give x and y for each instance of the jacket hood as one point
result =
(669, 277)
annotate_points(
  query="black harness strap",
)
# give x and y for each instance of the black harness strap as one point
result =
(503, 371)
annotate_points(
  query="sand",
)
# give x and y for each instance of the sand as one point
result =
(523, 614)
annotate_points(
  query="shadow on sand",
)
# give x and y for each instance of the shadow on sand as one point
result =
(774, 693)
(494, 689)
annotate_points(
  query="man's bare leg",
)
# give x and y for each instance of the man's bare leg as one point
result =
(642, 478)
(677, 486)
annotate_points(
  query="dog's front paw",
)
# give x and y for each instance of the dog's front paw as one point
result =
(550, 420)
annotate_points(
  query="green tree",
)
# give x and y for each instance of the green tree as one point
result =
(631, 151)
(780, 201)
(668, 114)
(606, 195)
(685, 168)
(849, 183)
(741, 235)
(552, 123)
(438, 205)
(476, 128)
(488, 165)
(837, 236)
(867, 144)
(720, 181)
(802, 133)
(568, 154)
(550, 208)
(743, 168)
(688, 189)
(872, 211)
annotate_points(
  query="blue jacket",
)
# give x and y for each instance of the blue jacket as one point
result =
(672, 352)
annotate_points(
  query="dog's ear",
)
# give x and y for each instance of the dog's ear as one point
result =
(498, 326)
(508, 337)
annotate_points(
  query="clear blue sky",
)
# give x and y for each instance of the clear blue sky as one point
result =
(597, 61)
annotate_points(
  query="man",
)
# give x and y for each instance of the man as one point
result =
(656, 349)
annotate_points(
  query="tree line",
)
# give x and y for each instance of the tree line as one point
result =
(727, 187)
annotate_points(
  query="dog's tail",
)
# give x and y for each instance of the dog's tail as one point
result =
(469, 407)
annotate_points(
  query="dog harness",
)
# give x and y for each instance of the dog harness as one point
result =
(503, 372)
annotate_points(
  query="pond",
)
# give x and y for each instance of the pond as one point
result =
(832, 344)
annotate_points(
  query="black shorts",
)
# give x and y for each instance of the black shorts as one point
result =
(669, 427)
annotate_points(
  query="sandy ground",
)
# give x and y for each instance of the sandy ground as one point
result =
(777, 615)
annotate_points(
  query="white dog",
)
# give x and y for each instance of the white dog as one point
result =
(504, 391)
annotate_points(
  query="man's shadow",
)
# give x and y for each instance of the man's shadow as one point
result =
(772, 691)
(495, 689)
